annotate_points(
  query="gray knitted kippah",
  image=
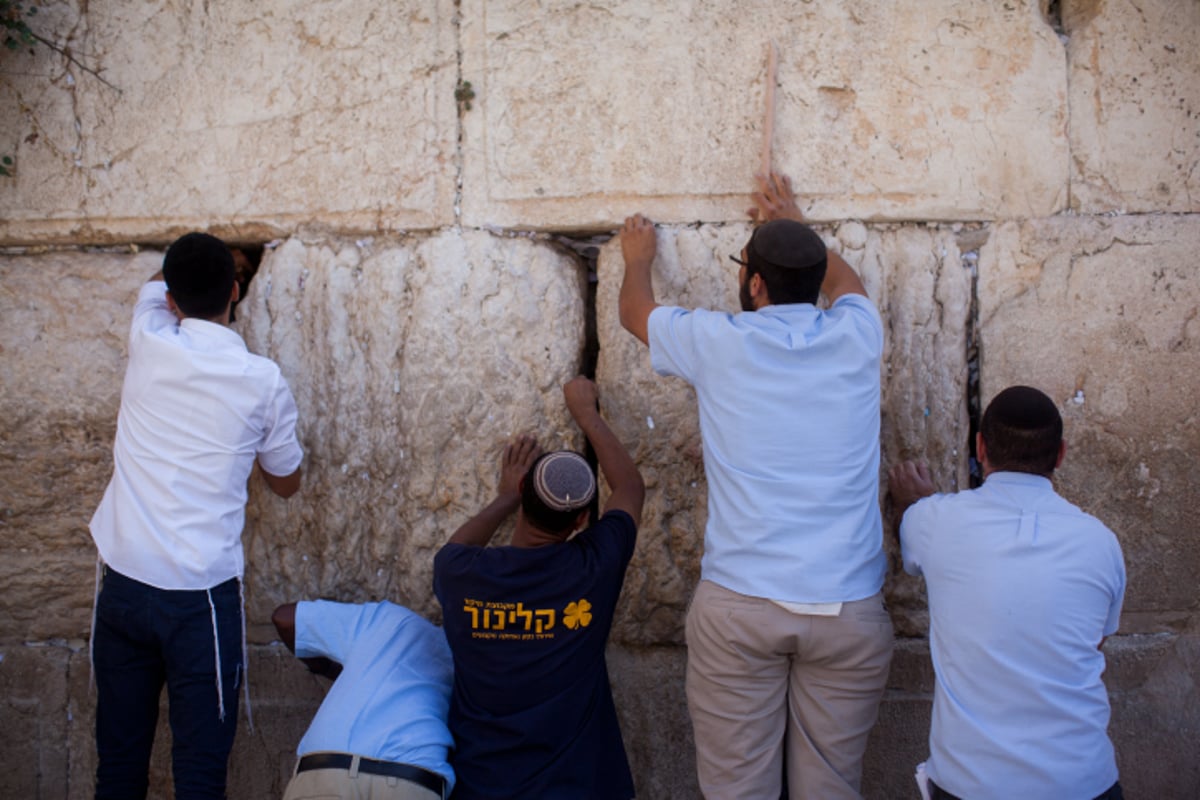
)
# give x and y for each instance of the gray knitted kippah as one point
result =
(564, 481)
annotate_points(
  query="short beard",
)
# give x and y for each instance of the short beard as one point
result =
(744, 295)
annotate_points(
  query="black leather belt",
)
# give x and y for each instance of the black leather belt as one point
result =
(406, 772)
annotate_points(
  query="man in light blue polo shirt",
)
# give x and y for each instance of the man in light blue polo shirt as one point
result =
(787, 630)
(381, 732)
(1023, 589)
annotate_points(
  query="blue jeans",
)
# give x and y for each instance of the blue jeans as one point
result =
(145, 637)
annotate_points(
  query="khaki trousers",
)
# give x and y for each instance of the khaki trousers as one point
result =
(347, 784)
(762, 681)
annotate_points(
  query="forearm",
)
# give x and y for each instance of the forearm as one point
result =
(283, 485)
(637, 299)
(628, 490)
(840, 279)
(480, 529)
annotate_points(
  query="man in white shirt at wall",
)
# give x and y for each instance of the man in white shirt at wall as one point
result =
(381, 732)
(1023, 588)
(197, 412)
(788, 639)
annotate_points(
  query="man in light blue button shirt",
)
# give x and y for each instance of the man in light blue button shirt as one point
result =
(1023, 589)
(788, 640)
(381, 732)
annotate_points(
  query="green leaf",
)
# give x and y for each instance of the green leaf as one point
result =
(7, 160)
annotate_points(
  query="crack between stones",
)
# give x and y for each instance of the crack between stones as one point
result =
(585, 249)
(460, 110)
(970, 261)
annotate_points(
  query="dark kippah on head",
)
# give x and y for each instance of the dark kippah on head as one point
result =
(1024, 408)
(786, 244)
(1022, 431)
(557, 487)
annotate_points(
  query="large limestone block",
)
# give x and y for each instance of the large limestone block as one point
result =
(648, 690)
(950, 109)
(248, 118)
(915, 276)
(64, 327)
(1100, 313)
(1135, 104)
(412, 363)
(34, 721)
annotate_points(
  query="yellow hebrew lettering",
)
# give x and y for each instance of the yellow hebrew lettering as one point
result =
(544, 612)
(521, 612)
(474, 616)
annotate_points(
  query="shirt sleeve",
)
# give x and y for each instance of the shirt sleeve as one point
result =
(914, 535)
(866, 317)
(1118, 599)
(446, 563)
(151, 311)
(328, 629)
(671, 334)
(613, 531)
(281, 453)
(325, 629)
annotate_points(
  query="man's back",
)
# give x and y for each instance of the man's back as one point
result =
(532, 711)
(788, 400)
(390, 701)
(196, 409)
(1022, 588)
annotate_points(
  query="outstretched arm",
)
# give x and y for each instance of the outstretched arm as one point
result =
(628, 490)
(639, 243)
(519, 456)
(775, 199)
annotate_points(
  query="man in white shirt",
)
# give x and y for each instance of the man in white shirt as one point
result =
(197, 412)
(788, 639)
(381, 732)
(1023, 588)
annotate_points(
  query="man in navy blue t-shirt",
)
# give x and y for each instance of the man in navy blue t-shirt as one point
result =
(532, 712)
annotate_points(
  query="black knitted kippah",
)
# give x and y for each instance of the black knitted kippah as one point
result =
(787, 244)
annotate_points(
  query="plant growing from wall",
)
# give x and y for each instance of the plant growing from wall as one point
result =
(12, 19)
(14, 26)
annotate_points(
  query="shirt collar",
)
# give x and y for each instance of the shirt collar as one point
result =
(202, 327)
(1019, 479)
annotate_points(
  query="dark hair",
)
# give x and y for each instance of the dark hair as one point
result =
(1022, 432)
(199, 272)
(539, 513)
(790, 258)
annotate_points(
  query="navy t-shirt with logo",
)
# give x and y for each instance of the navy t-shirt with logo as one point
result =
(532, 712)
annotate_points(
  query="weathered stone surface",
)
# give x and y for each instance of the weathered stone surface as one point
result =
(1135, 105)
(917, 279)
(1101, 314)
(412, 363)
(34, 721)
(248, 118)
(49, 717)
(65, 322)
(954, 109)
(648, 689)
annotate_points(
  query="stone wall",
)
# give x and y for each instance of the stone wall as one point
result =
(1018, 183)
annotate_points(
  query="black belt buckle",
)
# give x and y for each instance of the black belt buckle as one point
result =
(390, 769)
